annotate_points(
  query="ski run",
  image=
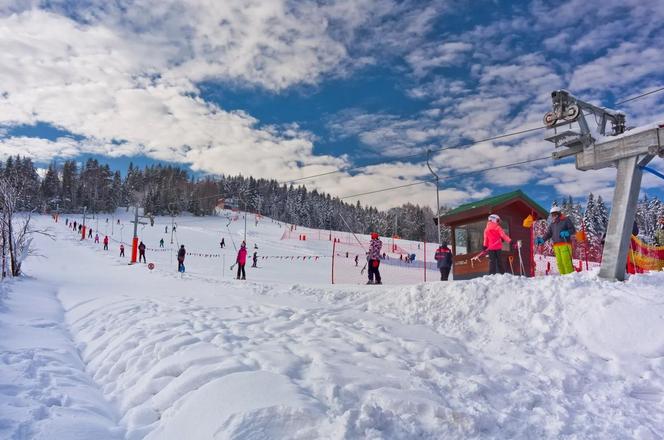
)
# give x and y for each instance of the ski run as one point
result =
(93, 348)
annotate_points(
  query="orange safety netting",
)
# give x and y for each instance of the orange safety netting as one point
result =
(644, 257)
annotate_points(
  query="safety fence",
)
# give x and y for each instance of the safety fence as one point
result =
(403, 262)
(202, 254)
(301, 233)
(350, 265)
(644, 257)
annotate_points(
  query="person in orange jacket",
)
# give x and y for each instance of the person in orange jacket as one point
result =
(494, 235)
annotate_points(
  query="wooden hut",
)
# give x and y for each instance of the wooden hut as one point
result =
(468, 222)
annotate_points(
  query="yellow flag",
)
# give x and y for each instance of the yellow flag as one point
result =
(528, 222)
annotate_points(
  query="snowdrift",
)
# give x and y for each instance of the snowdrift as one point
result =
(495, 357)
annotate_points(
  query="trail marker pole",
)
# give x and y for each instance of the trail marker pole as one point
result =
(85, 208)
(334, 249)
(437, 197)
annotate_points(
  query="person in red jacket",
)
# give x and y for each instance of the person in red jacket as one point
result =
(241, 261)
(443, 259)
(493, 243)
(106, 243)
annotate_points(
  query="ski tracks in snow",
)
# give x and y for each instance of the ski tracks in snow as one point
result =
(45, 392)
(493, 358)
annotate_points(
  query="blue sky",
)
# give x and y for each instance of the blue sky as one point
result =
(285, 89)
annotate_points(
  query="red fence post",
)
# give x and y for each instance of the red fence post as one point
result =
(334, 249)
(425, 260)
(532, 245)
(134, 249)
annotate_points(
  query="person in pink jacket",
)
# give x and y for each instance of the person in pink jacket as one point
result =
(241, 261)
(493, 243)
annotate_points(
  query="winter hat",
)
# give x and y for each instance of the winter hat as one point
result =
(443, 244)
(494, 218)
(374, 235)
(554, 209)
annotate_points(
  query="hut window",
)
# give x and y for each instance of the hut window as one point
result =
(469, 238)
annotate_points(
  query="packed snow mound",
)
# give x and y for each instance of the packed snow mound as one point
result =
(496, 357)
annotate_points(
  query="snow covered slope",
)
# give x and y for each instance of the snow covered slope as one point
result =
(157, 356)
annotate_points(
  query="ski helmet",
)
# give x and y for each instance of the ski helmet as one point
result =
(374, 235)
(494, 218)
(554, 209)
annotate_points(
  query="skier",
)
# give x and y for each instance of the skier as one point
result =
(141, 252)
(174, 228)
(373, 259)
(75, 224)
(181, 253)
(443, 258)
(166, 229)
(161, 243)
(90, 235)
(122, 250)
(66, 221)
(96, 238)
(222, 243)
(106, 243)
(254, 259)
(118, 221)
(560, 232)
(357, 260)
(241, 260)
(494, 235)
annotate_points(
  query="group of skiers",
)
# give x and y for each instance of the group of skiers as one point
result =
(443, 259)
(560, 231)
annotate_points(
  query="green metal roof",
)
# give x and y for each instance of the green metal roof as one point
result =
(495, 201)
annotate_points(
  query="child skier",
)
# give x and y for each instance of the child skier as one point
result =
(181, 253)
(96, 238)
(241, 260)
(443, 258)
(161, 243)
(373, 259)
(106, 243)
(560, 231)
(222, 243)
(122, 250)
(254, 259)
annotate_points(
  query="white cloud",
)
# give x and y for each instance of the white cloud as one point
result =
(435, 55)
(627, 64)
(567, 180)
(92, 82)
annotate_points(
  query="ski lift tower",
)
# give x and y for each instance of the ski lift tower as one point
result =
(628, 151)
